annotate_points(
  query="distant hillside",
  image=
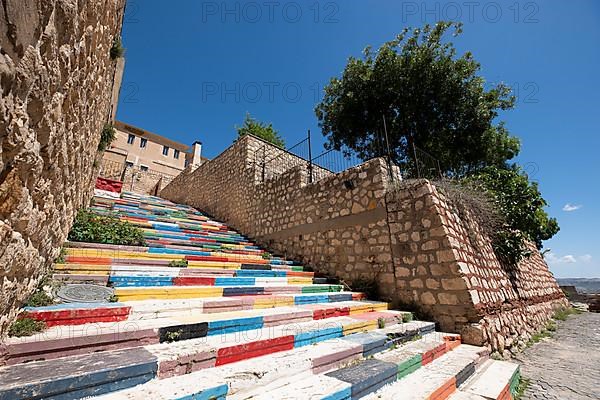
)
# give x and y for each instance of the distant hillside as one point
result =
(583, 285)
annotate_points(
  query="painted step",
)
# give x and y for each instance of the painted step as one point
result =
(77, 313)
(85, 375)
(150, 309)
(62, 341)
(349, 362)
(187, 292)
(436, 380)
(253, 378)
(497, 380)
(209, 387)
(181, 357)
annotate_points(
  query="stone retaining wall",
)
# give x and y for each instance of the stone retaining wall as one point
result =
(57, 81)
(446, 265)
(367, 227)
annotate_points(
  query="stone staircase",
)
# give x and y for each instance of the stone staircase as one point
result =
(203, 313)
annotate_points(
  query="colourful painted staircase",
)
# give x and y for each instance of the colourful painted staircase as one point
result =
(203, 313)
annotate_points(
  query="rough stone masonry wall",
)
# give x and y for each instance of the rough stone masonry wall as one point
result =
(361, 226)
(56, 82)
(446, 265)
(337, 228)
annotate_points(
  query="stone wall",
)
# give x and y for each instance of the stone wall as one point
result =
(56, 81)
(447, 266)
(366, 226)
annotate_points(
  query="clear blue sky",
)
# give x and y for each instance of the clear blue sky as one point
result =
(194, 68)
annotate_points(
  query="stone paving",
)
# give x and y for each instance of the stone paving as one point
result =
(567, 366)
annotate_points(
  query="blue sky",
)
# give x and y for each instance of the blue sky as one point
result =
(194, 68)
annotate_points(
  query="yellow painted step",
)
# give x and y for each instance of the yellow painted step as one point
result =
(273, 302)
(214, 264)
(104, 253)
(172, 292)
(240, 257)
(362, 326)
(83, 269)
(368, 307)
(299, 280)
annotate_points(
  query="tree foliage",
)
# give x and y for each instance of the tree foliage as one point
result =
(429, 97)
(262, 130)
(520, 202)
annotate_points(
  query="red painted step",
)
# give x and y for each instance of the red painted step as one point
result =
(79, 316)
(433, 354)
(194, 281)
(330, 312)
(227, 355)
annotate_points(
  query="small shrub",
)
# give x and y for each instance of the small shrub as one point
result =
(26, 327)
(380, 323)
(108, 229)
(39, 298)
(113, 298)
(266, 255)
(178, 264)
(523, 385)
(563, 313)
(538, 337)
(61, 257)
(106, 137)
(416, 337)
(172, 336)
(117, 50)
(407, 317)
(551, 327)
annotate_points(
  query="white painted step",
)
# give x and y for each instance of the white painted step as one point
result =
(426, 380)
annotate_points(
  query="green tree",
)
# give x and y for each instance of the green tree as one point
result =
(429, 97)
(521, 205)
(262, 130)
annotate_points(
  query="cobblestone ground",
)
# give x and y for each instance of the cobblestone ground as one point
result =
(567, 366)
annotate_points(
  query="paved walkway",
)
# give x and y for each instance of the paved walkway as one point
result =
(567, 366)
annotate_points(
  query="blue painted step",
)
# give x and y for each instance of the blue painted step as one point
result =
(85, 375)
(367, 376)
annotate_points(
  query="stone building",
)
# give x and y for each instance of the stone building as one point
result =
(145, 161)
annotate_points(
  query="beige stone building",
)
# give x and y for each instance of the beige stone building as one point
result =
(146, 161)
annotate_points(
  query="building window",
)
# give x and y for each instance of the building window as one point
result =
(128, 164)
(130, 139)
(143, 143)
(176, 154)
(165, 150)
(143, 168)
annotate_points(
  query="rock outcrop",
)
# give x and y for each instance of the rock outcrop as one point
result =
(57, 83)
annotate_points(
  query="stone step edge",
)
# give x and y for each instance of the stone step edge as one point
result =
(189, 357)
(300, 360)
(497, 380)
(20, 350)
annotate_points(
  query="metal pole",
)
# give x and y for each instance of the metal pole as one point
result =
(310, 165)
(416, 160)
(263, 164)
(387, 144)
